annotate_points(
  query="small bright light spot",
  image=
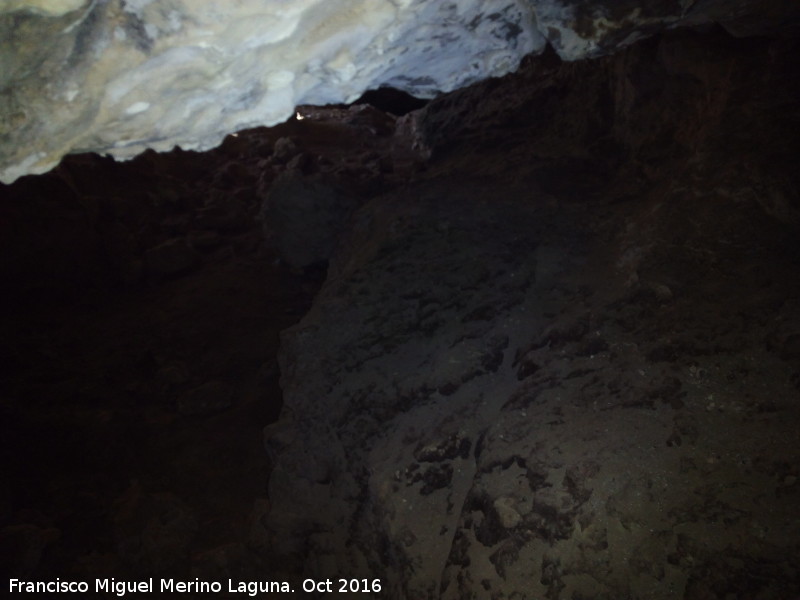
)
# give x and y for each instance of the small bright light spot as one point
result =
(235, 134)
(298, 116)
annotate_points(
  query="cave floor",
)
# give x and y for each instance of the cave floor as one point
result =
(553, 395)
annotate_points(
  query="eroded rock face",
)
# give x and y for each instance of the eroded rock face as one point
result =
(120, 76)
(541, 372)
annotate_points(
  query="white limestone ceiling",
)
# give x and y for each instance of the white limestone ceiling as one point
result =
(120, 76)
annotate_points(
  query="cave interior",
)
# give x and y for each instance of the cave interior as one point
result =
(537, 337)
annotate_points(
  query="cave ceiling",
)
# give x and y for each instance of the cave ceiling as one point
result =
(120, 76)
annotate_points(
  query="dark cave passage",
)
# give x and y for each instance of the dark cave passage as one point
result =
(140, 364)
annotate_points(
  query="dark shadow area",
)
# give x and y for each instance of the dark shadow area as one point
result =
(142, 304)
(392, 101)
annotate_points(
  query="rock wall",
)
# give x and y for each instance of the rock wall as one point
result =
(564, 364)
(121, 76)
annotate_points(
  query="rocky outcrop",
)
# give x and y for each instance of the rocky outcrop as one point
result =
(119, 76)
(563, 365)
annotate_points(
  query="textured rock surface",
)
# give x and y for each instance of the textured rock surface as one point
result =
(120, 76)
(564, 364)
